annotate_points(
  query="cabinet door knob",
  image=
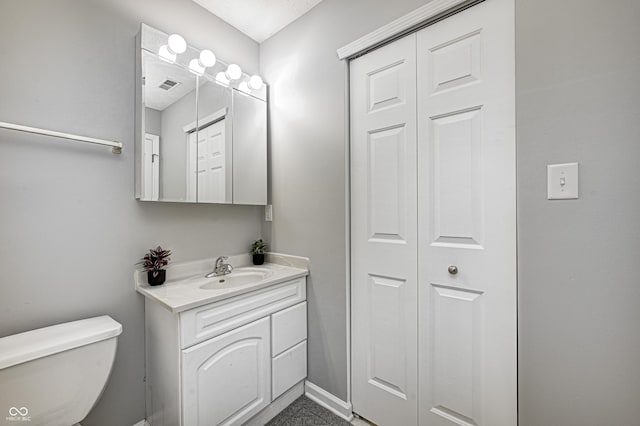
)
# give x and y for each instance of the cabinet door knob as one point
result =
(453, 269)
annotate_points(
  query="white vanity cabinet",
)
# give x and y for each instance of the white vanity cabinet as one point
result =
(224, 362)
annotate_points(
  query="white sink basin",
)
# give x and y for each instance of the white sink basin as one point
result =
(237, 278)
(187, 287)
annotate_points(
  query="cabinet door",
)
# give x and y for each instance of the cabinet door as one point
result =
(226, 380)
(288, 328)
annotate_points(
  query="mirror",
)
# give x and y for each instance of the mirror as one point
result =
(211, 147)
(169, 106)
(199, 138)
(249, 153)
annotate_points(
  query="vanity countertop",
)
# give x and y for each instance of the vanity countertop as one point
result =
(187, 288)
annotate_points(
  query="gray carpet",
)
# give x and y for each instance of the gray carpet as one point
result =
(305, 412)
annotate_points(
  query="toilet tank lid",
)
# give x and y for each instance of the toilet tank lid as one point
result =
(42, 342)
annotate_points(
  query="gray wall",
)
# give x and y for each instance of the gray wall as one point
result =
(153, 121)
(578, 99)
(307, 144)
(70, 229)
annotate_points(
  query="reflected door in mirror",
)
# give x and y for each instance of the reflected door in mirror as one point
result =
(211, 169)
(150, 167)
(214, 165)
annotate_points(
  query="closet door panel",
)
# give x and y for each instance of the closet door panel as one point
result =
(384, 234)
(386, 162)
(466, 204)
(455, 168)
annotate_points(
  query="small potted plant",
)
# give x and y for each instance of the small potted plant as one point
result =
(154, 263)
(257, 250)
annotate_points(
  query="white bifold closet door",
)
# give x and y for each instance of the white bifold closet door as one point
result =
(384, 231)
(433, 225)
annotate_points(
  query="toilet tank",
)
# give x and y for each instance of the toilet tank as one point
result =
(53, 376)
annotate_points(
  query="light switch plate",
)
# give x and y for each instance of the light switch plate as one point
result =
(268, 213)
(562, 181)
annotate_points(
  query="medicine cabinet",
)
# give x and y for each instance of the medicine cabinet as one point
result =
(201, 137)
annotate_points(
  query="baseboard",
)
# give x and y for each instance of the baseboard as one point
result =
(311, 391)
(273, 409)
(328, 401)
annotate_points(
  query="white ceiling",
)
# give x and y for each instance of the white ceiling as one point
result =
(259, 19)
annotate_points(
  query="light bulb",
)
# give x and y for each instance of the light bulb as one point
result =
(166, 55)
(177, 44)
(255, 82)
(195, 67)
(222, 78)
(244, 87)
(233, 72)
(207, 58)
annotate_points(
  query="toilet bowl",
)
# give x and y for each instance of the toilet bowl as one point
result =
(54, 375)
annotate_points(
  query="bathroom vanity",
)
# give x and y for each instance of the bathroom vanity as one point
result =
(225, 350)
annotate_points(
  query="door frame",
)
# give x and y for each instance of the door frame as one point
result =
(430, 13)
(422, 17)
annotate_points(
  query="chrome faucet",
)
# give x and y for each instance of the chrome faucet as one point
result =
(220, 268)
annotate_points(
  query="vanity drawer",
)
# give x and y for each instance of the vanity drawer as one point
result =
(289, 327)
(205, 322)
(288, 368)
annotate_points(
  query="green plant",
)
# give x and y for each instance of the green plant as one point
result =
(155, 260)
(258, 247)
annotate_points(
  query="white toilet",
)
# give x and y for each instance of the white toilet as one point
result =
(53, 376)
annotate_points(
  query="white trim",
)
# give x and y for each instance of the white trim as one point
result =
(191, 159)
(328, 401)
(408, 22)
(142, 423)
(205, 121)
(273, 409)
(347, 219)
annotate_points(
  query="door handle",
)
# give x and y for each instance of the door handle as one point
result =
(453, 269)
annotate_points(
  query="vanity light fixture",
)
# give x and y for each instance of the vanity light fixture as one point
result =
(175, 45)
(244, 87)
(233, 72)
(207, 59)
(255, 82)
(222, 78)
